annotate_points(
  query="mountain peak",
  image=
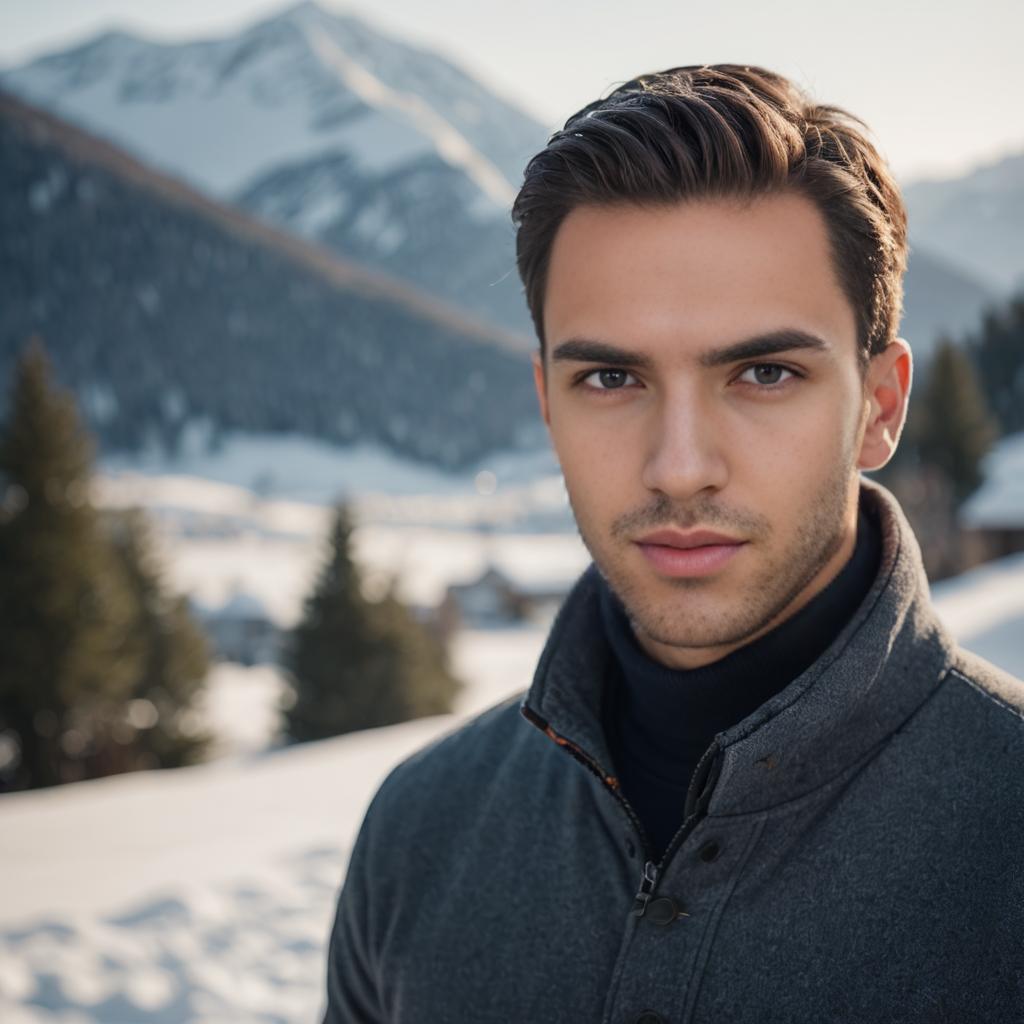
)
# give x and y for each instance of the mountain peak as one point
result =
(305, 12)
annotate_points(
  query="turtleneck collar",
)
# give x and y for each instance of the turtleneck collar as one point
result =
(838, 712)
(668, 707)
(659, 720)
(831, 717)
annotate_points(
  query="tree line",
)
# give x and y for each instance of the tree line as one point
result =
(103, 668)
(970, 395)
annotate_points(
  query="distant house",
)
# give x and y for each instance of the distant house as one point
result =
(499, 596)
(241, 630)
(993, 517)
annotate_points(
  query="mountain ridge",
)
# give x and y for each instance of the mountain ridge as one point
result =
(164, 311)
(432, 158)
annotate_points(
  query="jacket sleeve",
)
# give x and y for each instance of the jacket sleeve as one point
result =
(353, 996)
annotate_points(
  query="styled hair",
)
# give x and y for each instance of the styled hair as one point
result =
(721, 131)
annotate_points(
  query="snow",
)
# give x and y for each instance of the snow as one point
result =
(320, 209)
(999, 502)
(984, 608)
(305, 469)
(219, 146)
(206, 894)
(216, 542)
(420, 120)
(223, 113)
(240, 706)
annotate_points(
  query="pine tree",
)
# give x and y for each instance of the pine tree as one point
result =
(955, 428)
(998, 352)
(66, 654)
(356, 664)
(157, 726)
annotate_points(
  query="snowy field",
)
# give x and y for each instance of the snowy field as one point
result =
(206, 894)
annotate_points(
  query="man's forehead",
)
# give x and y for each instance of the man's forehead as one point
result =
(698, 274)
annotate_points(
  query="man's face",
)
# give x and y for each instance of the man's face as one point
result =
(680, 400)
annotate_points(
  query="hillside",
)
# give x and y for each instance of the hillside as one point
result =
(394, 157)
(170, 314)
(976, 219)
(319, 123)
(940, 299)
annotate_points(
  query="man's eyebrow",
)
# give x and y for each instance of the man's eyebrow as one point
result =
(586, 350)
(784, 340)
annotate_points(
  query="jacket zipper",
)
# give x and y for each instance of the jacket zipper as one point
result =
(696, 804)
(592, 766)
(646, 890)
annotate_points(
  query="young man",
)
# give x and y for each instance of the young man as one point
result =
(753, 779)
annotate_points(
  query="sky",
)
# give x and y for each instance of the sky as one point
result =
(939, 82)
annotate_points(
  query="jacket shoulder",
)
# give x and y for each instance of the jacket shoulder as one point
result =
(990, 683)
(450, 775)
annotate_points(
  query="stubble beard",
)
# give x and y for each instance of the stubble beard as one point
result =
(694, 616)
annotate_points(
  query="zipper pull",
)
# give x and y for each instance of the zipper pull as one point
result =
(650, 876)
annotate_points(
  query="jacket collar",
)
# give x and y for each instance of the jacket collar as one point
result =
(883, 665)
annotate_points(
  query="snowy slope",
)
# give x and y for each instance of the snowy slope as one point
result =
(221, 112)
(999, 502)
(985, 610)
(219, 540)
(387, 154)
(202, 894)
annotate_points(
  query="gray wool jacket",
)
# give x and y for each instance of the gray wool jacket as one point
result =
(851, 852)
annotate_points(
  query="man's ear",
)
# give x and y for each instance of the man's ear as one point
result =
(540, 383)
(887, 390)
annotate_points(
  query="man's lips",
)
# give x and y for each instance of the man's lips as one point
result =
(687, 540)
(681, 554)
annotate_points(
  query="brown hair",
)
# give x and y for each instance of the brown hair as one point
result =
(724, 130)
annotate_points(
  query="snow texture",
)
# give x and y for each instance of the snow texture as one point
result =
(999, 502)
(203, 894)
(222, 112)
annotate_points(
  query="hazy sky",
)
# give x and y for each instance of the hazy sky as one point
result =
(941, 83)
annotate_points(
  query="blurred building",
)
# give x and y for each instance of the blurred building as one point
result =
(502, 596)
(241, 630)
(993, 517)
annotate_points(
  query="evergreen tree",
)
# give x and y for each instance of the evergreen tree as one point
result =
(66, 654)
(356, 664)
(955, 428)
(157, 726)
(998, 352)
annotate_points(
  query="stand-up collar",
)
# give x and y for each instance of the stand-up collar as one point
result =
(882, 666)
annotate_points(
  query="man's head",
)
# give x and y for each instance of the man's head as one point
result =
(714, 267)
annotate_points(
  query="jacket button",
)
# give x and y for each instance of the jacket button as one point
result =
(662, 911)
(709, 851)
(648, 1017)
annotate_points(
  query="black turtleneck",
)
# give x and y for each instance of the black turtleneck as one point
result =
(659, 721)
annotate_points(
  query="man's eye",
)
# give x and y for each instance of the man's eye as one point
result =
(766, 374)
(607, 380)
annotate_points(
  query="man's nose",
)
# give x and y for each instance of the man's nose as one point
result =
(686, 453)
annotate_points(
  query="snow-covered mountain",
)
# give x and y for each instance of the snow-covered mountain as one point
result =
(324, 125)
(977, 219)
(305, 82)
(177, 319)
(393, 157)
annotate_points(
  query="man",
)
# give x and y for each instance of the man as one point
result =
(753, 779)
